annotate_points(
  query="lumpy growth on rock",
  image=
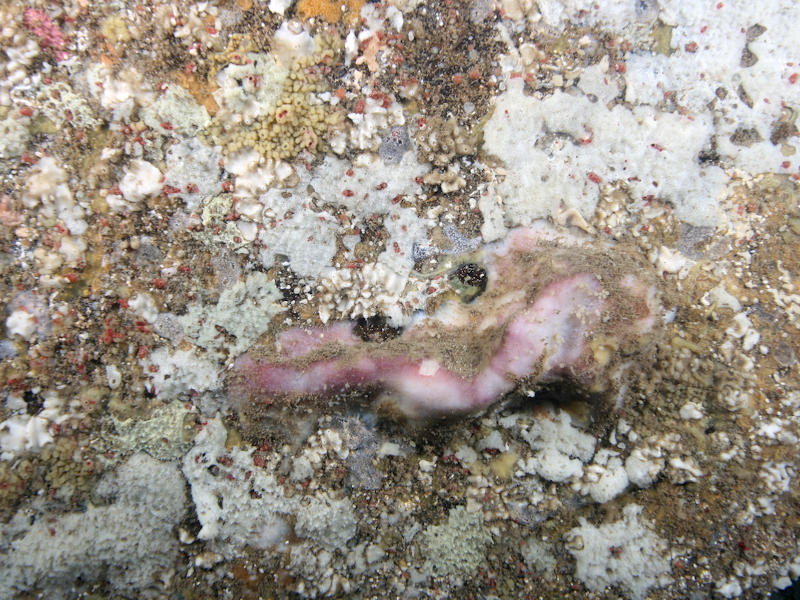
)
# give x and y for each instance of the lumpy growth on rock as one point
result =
(552, 310)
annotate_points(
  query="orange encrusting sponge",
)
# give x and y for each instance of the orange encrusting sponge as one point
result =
(331, 10)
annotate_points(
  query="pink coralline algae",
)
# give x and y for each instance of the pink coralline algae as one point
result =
(554, 309)
(50, 36)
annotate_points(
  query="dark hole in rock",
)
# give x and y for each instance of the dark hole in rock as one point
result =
(34, 402)
(469, 281)
(375, 329)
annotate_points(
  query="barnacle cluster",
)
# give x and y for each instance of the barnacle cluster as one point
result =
(13, 481)
(441, 140)
(298, 119)
(70, 467)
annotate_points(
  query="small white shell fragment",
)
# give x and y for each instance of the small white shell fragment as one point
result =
(289, 45)
(426, 466)
(374, 553)
(685, 470)
(739, 325)
(643, 467)
(184, 537)
(113, 376)
(670, 261)
(428, 368)
(141, 180)
(691, 411)
(206, 560)
(722, 298)
(751, 338)
(324, 313)
(493, 441)
(279, 6)
(21, 323)
(390, 449)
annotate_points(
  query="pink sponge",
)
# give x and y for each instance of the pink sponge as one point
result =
(49, 34)
(553, 309)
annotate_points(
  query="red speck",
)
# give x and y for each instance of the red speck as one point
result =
(458, 79)
(397, 198)
(191, 188)
(359, 107)
(258, 461)
(418, 180)
(396, 247)
(211, 30)
(108, 336)
(159, 283)
(793, 78)
(704, 28)
(422, 122)
(381, 186)
(184, 268)
(430, 290)
(28, 159)
(387, 102)
(349, 172)
(658, 147)
(26, 111)
(71, 277)
(691, 47)
(153, 368)
(785, 164)
(348, 193)
(339, 93)
(594, 177)
(227, 186)
(167, 126)
(719, 5)
(168, 189)
(123, 303)
(142, 352)
(620, 68)
(474, 73)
